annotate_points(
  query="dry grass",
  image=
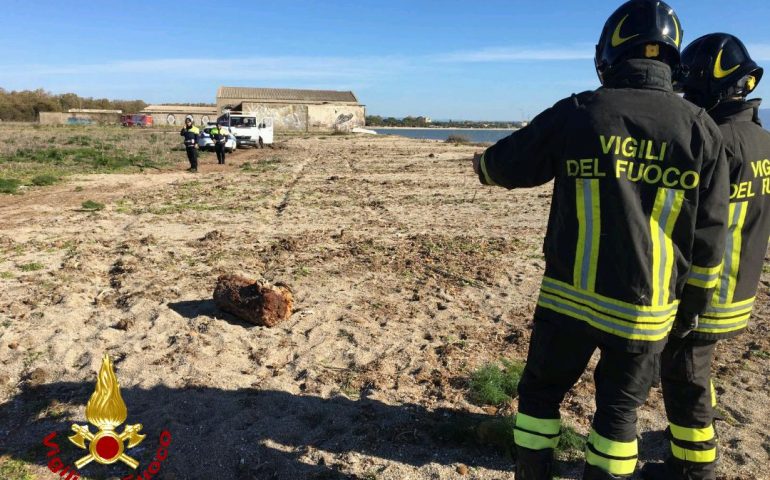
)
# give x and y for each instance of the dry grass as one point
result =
(41, 155)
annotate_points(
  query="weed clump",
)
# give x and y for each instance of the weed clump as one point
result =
(31, 267)
(495, 385)
(92, 206)
(44, 180)
(9, 185)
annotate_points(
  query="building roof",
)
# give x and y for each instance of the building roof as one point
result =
(179, 109)
(286, 95)
(92, 110)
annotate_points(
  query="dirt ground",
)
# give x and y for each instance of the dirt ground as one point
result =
(407, 276)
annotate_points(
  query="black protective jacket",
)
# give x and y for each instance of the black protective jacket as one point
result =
(748, 150)
(219, 135)
(638, 216)
(190, 136)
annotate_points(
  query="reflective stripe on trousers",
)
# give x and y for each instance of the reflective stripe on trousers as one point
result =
(536, 433)
(617, 458)
(693, 445)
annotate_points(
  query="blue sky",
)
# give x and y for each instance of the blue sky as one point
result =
(493, 60)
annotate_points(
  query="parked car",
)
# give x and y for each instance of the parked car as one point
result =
(205, 142)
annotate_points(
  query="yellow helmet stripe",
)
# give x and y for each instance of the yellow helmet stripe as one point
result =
(617, 39)
(719, 72)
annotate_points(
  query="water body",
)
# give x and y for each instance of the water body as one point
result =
(474, 135)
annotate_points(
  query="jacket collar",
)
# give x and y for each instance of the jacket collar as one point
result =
(640, 73)
(737, 111)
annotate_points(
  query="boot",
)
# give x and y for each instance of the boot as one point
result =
(534, 464)
(596, 473)
(655, 471)
(676, 470)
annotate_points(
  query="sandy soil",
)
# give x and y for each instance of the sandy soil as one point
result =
(407, 276)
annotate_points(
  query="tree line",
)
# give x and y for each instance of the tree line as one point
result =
(25, 105)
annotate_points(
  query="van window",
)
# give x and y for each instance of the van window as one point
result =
(243, 122)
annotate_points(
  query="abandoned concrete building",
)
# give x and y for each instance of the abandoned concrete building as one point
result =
(296, 110)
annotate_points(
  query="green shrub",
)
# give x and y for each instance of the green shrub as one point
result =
(9, 185)
(44, 180)
(457, 139)
(571, 443)
(493, 385)
(92, 205)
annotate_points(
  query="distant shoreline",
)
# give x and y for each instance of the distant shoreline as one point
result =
(442, 128)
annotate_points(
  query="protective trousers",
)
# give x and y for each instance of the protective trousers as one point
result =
(220, 149)
(690, 399)
(558, 354)
(192, 156)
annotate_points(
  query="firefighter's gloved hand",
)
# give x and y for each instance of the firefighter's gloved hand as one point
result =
(685, 323)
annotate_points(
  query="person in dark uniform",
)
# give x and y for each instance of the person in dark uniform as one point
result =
(219, 134)
(191, 134)
(720, 75)
(639, 203)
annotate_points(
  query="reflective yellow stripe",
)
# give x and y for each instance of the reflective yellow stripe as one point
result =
(483, 165)
(732, 259)
(547, 428)
(713, 394)
(695, 456)
(717, 308)
(673, 216)
(612, 448)
(611, 306)
(615, 467)
(725, 318)
(624, 453)
(659, 324)
(704, 277)
(707, 324)
(533, 441)
(634, 322)
(693, 434)
(706, 270)
(665, 212)
(588, 207)
(580, 251)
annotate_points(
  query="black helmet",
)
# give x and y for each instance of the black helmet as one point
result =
(639, 29)
(715, 67)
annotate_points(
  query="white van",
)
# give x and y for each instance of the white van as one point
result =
(247, 130)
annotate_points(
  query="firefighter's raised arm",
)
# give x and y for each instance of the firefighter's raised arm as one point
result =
(527, 157)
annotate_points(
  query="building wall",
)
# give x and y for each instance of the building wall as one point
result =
(57, 118)
(322, 118)
(309, 118)
(286, 118)
(161, 119)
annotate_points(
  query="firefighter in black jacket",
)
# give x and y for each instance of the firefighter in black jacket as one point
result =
(219, 135)
(721, 76)
(639, 201)
(191, 134)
